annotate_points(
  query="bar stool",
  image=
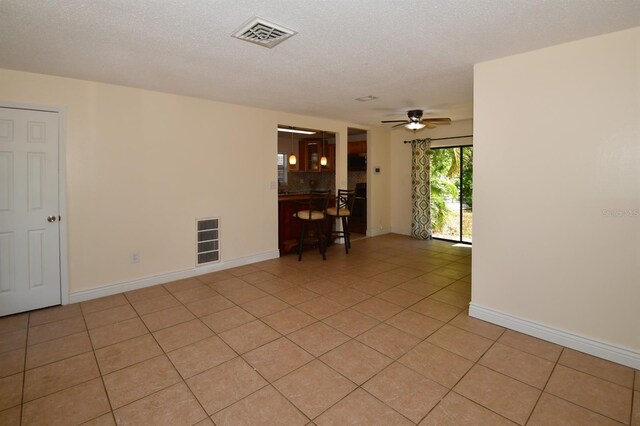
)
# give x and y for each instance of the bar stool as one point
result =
(315, 212)
(342, 210)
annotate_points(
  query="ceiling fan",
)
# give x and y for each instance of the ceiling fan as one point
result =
(416, 122)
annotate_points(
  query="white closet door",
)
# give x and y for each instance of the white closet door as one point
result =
(29, 226)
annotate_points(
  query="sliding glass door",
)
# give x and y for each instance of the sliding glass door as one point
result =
(466, 192)
(452, 193)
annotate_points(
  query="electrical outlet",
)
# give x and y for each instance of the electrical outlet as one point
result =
(134, 257)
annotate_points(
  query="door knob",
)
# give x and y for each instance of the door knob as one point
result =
(51, 219)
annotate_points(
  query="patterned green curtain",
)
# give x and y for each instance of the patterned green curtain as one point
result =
(421, 193)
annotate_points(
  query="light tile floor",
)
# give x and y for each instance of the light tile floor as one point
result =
(377, 337)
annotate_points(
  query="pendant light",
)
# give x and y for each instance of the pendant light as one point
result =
(292, 158)
(323, 159)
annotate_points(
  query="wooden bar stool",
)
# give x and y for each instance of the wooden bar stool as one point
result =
(342, 210)
(315, 212)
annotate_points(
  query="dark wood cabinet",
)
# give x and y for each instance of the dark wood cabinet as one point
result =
(330, 152)
(357, 147)
(310, 153)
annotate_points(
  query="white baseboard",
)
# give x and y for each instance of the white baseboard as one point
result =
(376, 232)
(401, 231)
(110, 289)
(571, 340)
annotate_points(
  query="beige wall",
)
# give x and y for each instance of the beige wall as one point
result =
(142, 165)
(557, 188)
(401, 166)
(378, 184)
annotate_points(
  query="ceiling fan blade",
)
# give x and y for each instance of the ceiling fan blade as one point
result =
(438, 120)
(430, 125)
(435, 123)
(394, 121)
(398, 125)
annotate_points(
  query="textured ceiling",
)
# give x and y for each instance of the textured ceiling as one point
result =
(409, 53)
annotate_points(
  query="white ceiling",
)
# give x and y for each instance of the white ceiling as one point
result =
(409, 53)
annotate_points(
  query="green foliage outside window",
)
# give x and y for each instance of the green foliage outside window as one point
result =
(444, 165)
(467, 177)
(445, 182)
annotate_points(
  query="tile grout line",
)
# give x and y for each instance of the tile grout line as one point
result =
(238, 355)
(184, 380)
(357, 386)
(316, 321)
(105, 309)
(544, 387)
(104, 387)
(462, 377)
(272, 384)
(233, 403)
(166, 355)
(267, 293)
(582, 406)
(394, 360)
(268, 382)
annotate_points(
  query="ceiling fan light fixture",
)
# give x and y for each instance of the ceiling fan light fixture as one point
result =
(414, 125)
(415, 121)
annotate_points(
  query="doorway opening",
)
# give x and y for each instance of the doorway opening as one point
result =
(452, 193)
(306, 162)
(357, 180)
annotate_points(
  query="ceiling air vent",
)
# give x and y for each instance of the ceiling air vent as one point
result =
(263, 32)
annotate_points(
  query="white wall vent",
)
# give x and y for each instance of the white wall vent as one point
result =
(207, 240)
(263, 32)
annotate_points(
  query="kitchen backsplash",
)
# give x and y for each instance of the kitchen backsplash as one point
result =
(303, 182)
(318, 181)
(356, 177)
